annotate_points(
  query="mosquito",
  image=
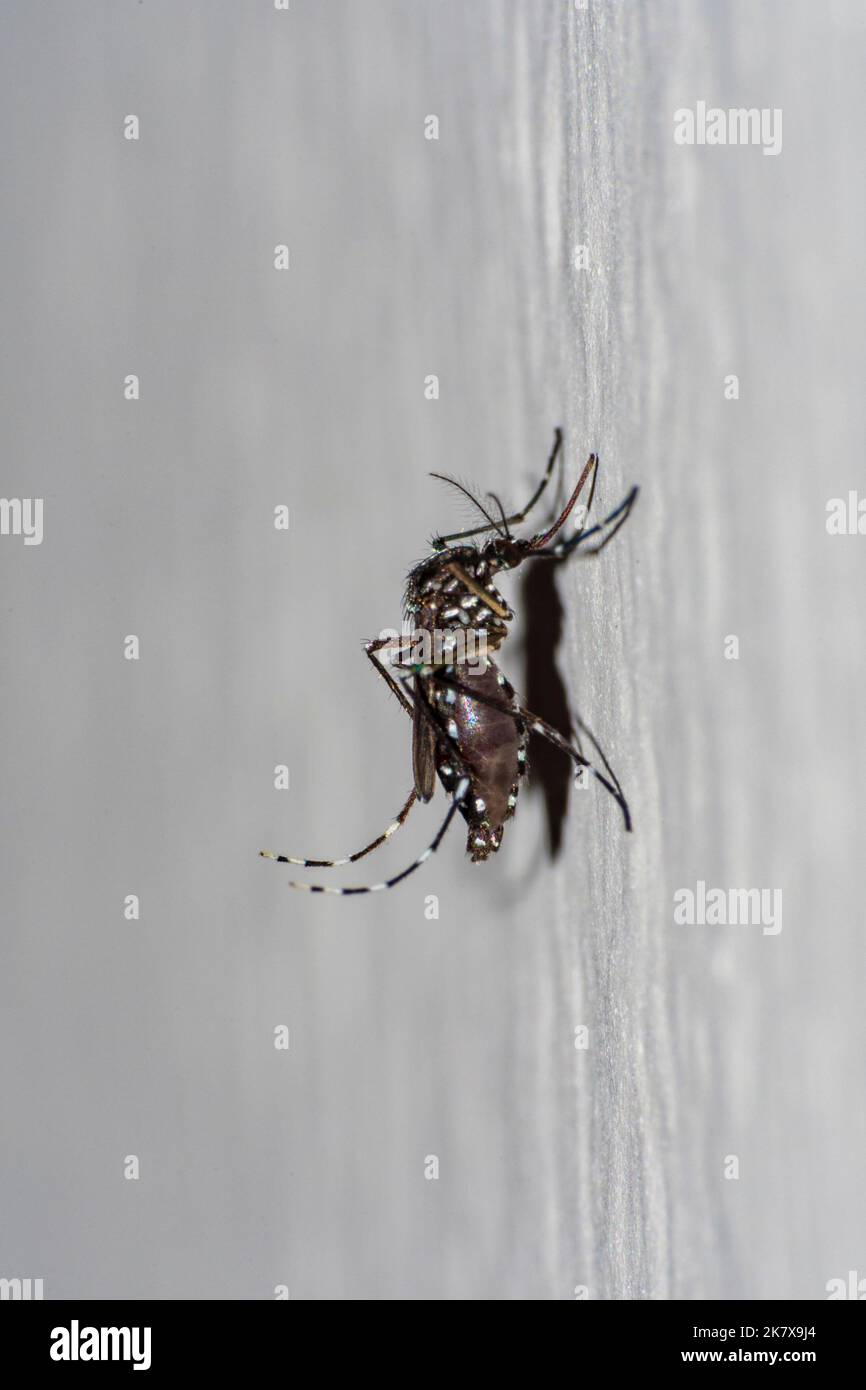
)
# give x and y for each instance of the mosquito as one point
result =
(469, 727)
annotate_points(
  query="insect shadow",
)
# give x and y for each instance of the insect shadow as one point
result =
(546, 693)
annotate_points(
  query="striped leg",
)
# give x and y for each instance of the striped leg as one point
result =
(371, 649)
(460, 793)
(351, 858)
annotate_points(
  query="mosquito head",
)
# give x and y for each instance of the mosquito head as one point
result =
(504, 552)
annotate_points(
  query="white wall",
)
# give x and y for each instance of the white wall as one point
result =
(410, 1037)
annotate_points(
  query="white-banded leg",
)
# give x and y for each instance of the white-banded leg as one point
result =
(461, 791)
(401, 818)
(441, 542)
(371, 649)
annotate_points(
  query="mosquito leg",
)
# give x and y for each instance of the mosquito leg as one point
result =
(540, 726)
(442, 541)
(536, 496)
(461, 791)
(459, 770)
(540, 544)
(372, 650)
(402, 816)
(617, 518)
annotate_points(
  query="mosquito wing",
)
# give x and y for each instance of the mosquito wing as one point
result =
(423, 748)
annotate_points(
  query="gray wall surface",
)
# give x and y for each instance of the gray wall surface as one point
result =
(606, 1167)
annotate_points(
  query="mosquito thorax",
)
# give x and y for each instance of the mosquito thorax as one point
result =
(453, 592)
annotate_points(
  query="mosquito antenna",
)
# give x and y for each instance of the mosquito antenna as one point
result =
(493, 525)
(504, 526)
